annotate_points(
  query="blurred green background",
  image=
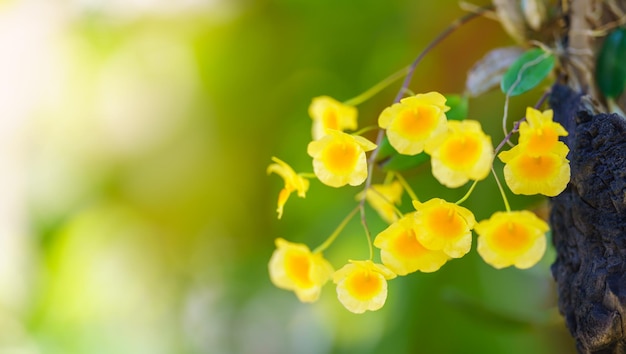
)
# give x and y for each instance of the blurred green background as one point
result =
(136, 215)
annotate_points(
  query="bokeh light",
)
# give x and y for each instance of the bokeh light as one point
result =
(136, 214)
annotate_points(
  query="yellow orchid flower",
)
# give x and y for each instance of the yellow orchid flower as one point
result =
(402, 253)
(293, 182)
(414, 122)
(512, 238)
(339, 158)
(362, 285)
(294, 267)
(464, 153)
(444, 226)
(328, 113)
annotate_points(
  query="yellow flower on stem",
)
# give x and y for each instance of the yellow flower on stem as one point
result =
(414, 122)
(528, 174)
(512, 238)
(444, 226)
(539, 133)
(464, 153)
(402, 253)
(382, 198)
(339, 158)
(362, 285)
(328, 113)
(294, 267)
(293, 182)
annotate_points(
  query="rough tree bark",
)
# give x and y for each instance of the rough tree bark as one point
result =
(589, 218)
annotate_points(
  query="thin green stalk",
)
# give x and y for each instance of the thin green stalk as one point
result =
(388, 177)
(395, 209)
(506, 201)
(406, 186)
(405, 84)
(321, 248)
(355, 101)
(445, 33)
(365, 130)
(367, 232)
(468, 193)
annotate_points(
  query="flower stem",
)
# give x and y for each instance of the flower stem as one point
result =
(506, 201)
(368, 180)
(517, 81)
(365, 130)
(468, 193)
(445, 33)
(321, 248)
(516, 125)
(355, 101)
(508, 136)
(389, 177)
(368, 235)
(406, 186)
(395, 209)
(405, 84)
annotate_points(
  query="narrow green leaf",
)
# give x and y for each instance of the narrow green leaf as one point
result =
(611, 65)
(527, 72)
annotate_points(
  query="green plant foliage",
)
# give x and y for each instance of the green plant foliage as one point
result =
(459, 106)
(611, 68)
(398, 162)
(527, 72)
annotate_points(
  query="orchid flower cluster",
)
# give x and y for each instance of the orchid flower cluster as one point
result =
(437, 230)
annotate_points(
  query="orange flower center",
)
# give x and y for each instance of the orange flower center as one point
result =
(461, 152)
(341, 157)
(446, 223)
(418, 123)
(330, 119)
(542, 140)
(364, 284)
(406, 245)
(537, 167)
(511, 237)
(297, 266)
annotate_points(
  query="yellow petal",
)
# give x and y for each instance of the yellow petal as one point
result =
(338, 159)
(293, 182)
(464, 153)
(283, 195)
(402, 253)
(414, 122)
(382, 198)
(293, 267)
(366, 145)
(512, 238)
(328, 113)
(362, 285)
(527, 174)
(444, 226)
(539, 132)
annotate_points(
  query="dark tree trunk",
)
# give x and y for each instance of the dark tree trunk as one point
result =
(589, 218)
(589, 231)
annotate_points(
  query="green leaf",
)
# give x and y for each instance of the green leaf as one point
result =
(459, 106)
(611, 65)
(527, 72)
(398, 162)
(391, 160)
